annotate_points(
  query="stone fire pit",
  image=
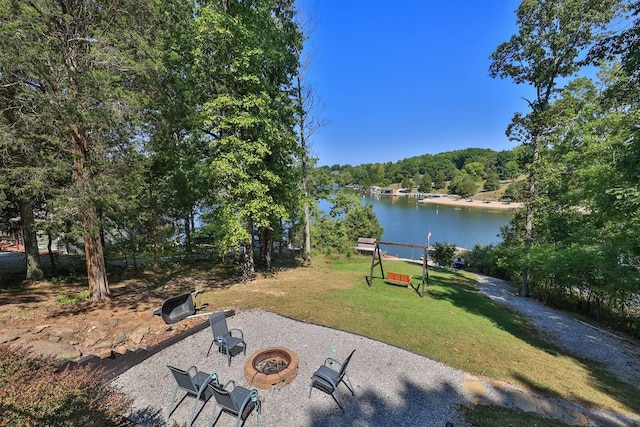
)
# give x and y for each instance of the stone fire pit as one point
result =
(271, 367)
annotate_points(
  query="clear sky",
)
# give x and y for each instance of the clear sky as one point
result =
(401, 79)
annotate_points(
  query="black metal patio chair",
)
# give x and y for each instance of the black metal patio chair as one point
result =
(327, 379)
(194, 384)
(224, 338)
(238, 402)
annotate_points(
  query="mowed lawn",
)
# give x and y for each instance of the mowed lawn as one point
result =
(453, 324)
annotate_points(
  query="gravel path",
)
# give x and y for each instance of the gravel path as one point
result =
(621, 356)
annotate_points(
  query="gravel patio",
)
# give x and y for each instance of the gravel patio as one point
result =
(393, 386)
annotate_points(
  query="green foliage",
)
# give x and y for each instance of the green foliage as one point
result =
(443, 253)
(512, 169)
(74, 299)
(34, 393)
(516, 191)
(463, 185)
(475, 170)
(425, 183)
(492, 182)
(349, 220)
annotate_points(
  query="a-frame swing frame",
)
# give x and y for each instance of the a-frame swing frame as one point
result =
(376, 259)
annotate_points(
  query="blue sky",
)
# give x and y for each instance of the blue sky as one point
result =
(401, 79)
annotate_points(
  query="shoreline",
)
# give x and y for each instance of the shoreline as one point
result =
(463, 203)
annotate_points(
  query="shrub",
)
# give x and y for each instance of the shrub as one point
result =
(34, 392)
(443, 253)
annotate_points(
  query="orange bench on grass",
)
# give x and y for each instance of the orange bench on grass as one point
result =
(398, 278)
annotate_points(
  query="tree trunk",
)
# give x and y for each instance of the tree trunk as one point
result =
(530, 207)
(267, 247)
(93, 249)
(187, 237)
(31, 252)
(248, 265)
(52, 258)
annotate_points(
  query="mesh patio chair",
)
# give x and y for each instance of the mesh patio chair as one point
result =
(327, 379)
(194, 384)
(223, 336)
(238, 402)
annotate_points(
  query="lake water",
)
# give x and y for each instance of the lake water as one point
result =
(406, 220)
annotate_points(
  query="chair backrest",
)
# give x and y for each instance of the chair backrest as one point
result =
(343, 369)
(218, 323)
(183, 379)
(223, 397)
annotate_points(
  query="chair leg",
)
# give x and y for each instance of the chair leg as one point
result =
(348, 384)
(336, 397)
(171, 406)
(213, 419)
(193, 411)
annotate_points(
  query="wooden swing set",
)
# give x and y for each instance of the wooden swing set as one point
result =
(397, 278)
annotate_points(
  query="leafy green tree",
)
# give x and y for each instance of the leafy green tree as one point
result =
(492, 182)
(551, 39)
(84, 63)
(347, 221)
(516, 191)
(443, 253)
(440, 180)
(463, 185)
(246, 59)
(512, 169)
(475, 170)
(425, 183)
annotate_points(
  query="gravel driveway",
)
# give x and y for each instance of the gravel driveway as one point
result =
(620, 355)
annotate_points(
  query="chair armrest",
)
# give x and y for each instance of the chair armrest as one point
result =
(332, 360)
(192, 368)
(236, 329)
(248, 399)
(229, 382)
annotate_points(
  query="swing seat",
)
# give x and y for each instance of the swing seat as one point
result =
(398, 279)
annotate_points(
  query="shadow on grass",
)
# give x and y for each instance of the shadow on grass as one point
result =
(465, 296)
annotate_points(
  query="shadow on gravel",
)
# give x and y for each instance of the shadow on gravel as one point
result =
(416, 406)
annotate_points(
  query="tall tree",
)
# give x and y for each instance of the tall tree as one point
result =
(246, 57)
(82, 61)
(553, 37)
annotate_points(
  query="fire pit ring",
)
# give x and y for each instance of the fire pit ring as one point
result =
(271, 367)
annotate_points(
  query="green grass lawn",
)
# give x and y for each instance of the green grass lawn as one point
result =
(453, 324)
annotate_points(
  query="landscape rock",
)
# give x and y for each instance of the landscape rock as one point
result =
(139, 333)
(8, 337)
(104, 353)
(40, 328)
(120, 337)
(57, 350)
(104, 344)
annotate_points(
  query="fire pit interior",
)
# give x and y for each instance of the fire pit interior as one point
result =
(272, 367)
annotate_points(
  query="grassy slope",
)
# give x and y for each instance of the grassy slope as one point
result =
(452, 324)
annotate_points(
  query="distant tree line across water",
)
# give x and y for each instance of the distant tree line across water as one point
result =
(462, 172)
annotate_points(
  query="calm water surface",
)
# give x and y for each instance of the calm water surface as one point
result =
(406, 220)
